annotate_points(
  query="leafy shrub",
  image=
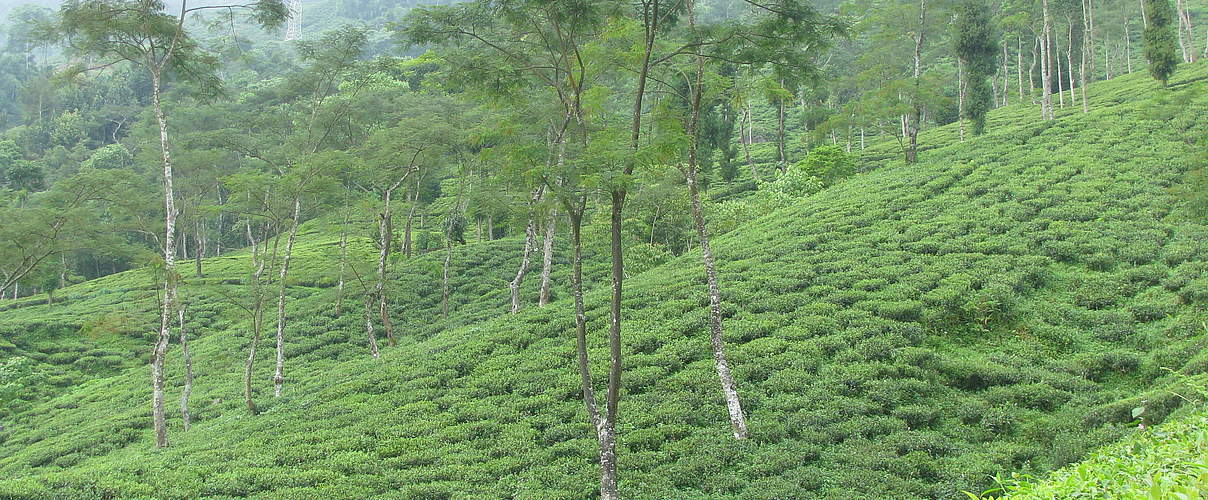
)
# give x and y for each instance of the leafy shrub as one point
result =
(828, 164)
(1098, 292)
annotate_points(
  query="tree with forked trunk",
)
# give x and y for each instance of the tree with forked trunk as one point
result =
(145, 34)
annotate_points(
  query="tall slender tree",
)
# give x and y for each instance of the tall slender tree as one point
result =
(145, 34)
(914, 122)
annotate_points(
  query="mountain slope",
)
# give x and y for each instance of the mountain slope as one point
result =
(908, 333)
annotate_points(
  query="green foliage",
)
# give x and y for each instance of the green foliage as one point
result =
(977, 47)
(910, 332)
(829, 164)
(1166, 462)
(1159, 39)
(1194, 189)
(795, 183)
(113, 156)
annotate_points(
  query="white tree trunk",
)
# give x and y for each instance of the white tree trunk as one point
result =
(530, 241)
(1060, 77)
(1069, 62)
(1182, 30)
(746, 140)
(343, 263)
(444, 275)
(914, 124)
(1087, 42)
(1046, 96)
(168, 306)
(188, 362)
(960, 97)
(1185, 23)
(1127, 50)
(717, 335)
(547, 257)
(1006, 78)
(279, 373)
(373, 345)
(385, 240)
(1036, 50)
(1019, 68)
(257, 313)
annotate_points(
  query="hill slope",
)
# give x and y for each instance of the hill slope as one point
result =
(908, 333)
(1168, 462)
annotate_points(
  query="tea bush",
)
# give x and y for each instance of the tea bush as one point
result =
(909, 332)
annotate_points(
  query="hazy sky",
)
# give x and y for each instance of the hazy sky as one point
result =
(7, 5)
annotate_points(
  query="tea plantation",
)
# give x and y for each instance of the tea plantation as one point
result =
(911, 332)
(1169, 462)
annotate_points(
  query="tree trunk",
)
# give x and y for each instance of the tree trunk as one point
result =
(444, 277)
(960, 97)
(608, 457)
(1006, 77)
(249, 366)
(407, 225)
(1036, 49)
(1060, 78)
(1019, 67)
(373, 345)
(576, 220)
(746, 141)
(199, 249)
(384, 312)
(1127, 49)
(547, 241)
(407, 246)
(279, 373)
(1107, 55)
(1086, 50)
(1046, 67)
(914, 123)
(385, 240)
(1181, 31)
(607, 429)
(257, 313)
(547, 256)
(1185, 22)
(1090, 37)
(343, 263)
(576, 284)
(530, 241)
(717, 334)
(187, 390)
(780, 135)
(1069, 60)
(220, 230)
(168, 307)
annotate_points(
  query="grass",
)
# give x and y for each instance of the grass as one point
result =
(911, 332)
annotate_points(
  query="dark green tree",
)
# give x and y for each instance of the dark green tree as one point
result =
(977, 47)
(1159, 39)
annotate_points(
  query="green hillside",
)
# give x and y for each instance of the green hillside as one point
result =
(1002, 306)
(1168, 462)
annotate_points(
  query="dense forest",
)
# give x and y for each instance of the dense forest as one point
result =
(567, 249)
